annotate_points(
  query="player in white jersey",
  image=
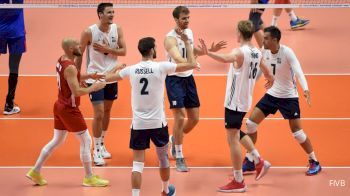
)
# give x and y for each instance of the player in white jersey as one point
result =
(245, 64)
(181, 87)
(104, 42)
(149, 121)
(283, 95)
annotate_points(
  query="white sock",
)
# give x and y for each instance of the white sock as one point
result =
(178, 149)
(292, 16)
(249, 156)
(104, 132)
(165, 186)
(41, 160)
(97, 142)
(88, 169)
(312, 156)
(135, 192)
(274, 21)
(256, 156)
(238, 174)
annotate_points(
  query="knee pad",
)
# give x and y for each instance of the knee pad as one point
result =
(300, 136)
(137, 166)
(162, 153)
(85, 145)
(255, 17)
(251, 126)
(241, 134)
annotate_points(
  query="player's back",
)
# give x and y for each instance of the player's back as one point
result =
(65, 95)
(182, 49)
(241, 82)
(147, 82)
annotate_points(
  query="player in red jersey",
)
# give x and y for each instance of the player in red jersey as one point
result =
(67, 116)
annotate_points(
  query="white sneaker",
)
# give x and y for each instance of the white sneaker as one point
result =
(98, 160)
(14, 110)
(105, 154)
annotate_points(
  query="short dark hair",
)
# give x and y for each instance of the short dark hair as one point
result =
(246, 28)
(180, 9)
(274, 32)
(145, 45)
(101, 8)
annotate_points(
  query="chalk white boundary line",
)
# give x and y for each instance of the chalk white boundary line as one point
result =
(51, 118)
(129, 167)
(199, 75)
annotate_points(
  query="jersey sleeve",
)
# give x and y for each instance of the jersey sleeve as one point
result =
(167, 67)
(296, 67)
(125, 73)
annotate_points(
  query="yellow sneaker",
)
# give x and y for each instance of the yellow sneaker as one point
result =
(36, 177)
(95, 181)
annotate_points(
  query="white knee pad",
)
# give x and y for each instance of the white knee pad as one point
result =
(137, 166)
(251, 126)
(162, 153)
(300, 136)
(85, 145)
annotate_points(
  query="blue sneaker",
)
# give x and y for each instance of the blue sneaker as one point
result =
(172, 191)
(299, 23)
(248, 166)
(314, 168)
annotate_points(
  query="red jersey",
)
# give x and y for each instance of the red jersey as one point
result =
(65, 95)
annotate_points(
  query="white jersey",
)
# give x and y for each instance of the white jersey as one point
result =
(147, 92)
(241, 82)
(97, 61)
(284, 66)
(182, 49)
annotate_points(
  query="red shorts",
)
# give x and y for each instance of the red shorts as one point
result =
(68, 118)
(282, 2)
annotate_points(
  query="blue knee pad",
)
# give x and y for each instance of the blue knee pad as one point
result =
(255, 17)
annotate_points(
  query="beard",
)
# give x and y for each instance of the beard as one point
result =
(154, 55)
(77, 53)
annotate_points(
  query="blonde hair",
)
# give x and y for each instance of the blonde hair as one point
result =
(246, 28)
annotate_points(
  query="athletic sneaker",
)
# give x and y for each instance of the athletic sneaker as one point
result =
(36, 177)
(261, 168)
(299, 23)
(98, 159)
(172, 191)
(95, 181)
(8, 110)
(248, 166)
(314, 168)
(105, 154)
(233, 187)
(181, 165)
(172, 148)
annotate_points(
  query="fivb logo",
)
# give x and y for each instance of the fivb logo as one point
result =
(337, 183)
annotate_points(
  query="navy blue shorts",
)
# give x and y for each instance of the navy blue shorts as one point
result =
(15, 45)
(140, 139)
(109, 92)
(182, 92)
(233, 119)
(289, 107)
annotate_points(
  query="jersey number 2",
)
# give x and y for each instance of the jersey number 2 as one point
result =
(144, 81)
